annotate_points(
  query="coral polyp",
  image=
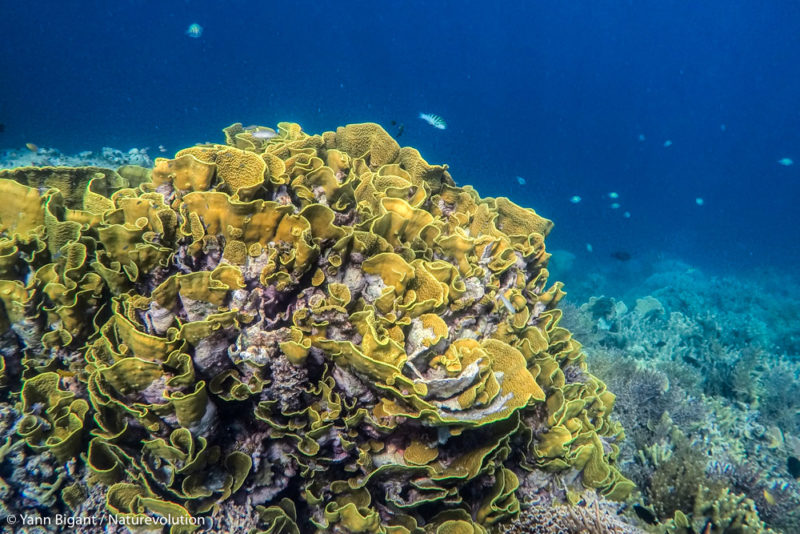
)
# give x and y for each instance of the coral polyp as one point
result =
(322, 326)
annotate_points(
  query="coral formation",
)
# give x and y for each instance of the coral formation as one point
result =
(708, 406)
(51, 157)
(584, 519)
(322, 326)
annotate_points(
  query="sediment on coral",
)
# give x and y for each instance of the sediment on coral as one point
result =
(316, 326)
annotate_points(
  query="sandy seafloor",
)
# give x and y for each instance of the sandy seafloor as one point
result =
(705, 369)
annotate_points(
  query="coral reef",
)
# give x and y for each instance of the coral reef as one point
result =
(316, 326)
(707, 399)
(591, 516)
(107, 157)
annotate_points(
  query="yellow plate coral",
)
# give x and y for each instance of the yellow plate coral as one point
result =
(325, 321)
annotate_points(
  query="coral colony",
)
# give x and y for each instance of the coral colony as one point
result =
(323, 323)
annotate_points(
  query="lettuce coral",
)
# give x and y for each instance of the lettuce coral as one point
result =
(326, 321)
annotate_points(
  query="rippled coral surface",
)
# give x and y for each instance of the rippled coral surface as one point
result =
(316, 326)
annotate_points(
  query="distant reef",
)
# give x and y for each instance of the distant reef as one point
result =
(705, 369)
(107, 157)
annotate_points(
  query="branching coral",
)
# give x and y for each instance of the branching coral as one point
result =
(326, 321)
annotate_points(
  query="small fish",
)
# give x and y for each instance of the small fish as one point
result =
(434, 120)
(33, 148)
(769, 497)
(261, 132)
(786, 161)
(575, 199)
(793, 466)
(2, 127)
(589, 247)
(642, 137)
(162, 148)
(691, 360)
(264, 135)
(194, 30)
(621, 255)
(615, 206)
(613, 194)
(645, 514)
(521, 180)
(400, 128)
(699, 201)
(667, 143)
(722, 127)
(627, 215)
(506, 303)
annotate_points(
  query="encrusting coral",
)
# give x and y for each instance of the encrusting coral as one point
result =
(316, 325)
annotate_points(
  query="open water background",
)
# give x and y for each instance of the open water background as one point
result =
(556, 92)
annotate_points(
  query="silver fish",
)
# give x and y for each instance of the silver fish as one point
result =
(265, 135)
(261, 132)
(434, 120)
(506, 303)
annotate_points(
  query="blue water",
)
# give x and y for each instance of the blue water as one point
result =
(556, 92)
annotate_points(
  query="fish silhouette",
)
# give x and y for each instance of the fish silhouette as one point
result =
(399, 128)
